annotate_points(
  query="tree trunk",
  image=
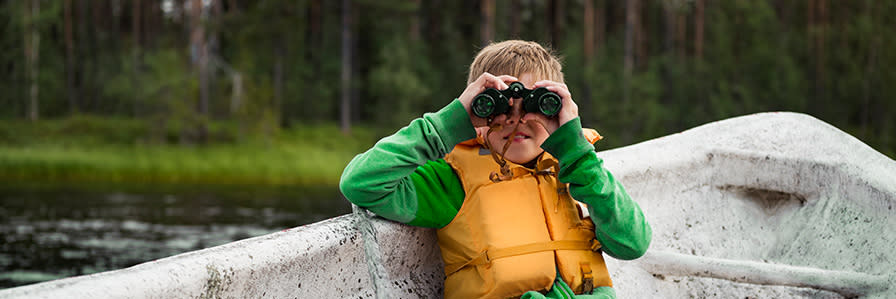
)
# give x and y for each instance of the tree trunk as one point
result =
(96, 13)
(151, 10)
(435, 21)
(631, 20)
(558, 22)
(870, 70)
(631, 39)
(199, 54)
(810, 23)
(345, 109)
(70, 91)
(588, 31)
(698, 28)
(203, 83)
(414, 31)
(820, 51)
(214, 47)
(600, 23)
(555, 21)
(681, 34)
(312, 54)
(85, 59)
(279, 58)
(816, 19)
(314, 36)
(515, 20)
(112, 19)
(670, 15)
(810, 51)
(548, 21)
(32, 49)
(136, 21)
(357, 62)
(487, 17)
(640, 37)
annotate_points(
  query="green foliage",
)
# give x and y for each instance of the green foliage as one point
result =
(397, 86)
(757, 56)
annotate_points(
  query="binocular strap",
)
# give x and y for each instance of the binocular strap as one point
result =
(505, 172)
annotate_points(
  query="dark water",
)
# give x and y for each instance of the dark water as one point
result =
(54, 233)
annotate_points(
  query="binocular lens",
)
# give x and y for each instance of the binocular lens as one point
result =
(549, 104)
(483, 105)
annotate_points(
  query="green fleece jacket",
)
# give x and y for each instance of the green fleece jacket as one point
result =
(405, 178)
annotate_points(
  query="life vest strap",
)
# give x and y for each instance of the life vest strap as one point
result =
(488, 256)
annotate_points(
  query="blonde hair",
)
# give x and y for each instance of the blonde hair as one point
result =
(515, 58)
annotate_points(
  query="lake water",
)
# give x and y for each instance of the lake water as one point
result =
(54, 233)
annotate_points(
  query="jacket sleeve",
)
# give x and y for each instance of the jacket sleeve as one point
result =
(620, 225)
(404, 178)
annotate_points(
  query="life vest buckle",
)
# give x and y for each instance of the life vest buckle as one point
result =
(587, 278)
(595, 245)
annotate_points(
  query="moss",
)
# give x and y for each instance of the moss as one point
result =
(217, 283)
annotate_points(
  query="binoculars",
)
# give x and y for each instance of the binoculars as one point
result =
(493, 102)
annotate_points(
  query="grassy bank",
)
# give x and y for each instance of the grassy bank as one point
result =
(94, 150)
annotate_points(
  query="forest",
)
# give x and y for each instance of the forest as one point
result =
(195, 73)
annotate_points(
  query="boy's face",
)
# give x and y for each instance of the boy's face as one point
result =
(526, 145)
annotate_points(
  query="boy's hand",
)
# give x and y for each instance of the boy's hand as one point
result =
(484, 81)
(569, 111)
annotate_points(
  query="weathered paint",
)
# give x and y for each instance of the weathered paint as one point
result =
(732, 203)
(752, 193)
(321, 260)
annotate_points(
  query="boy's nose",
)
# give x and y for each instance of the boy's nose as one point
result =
(515, 111)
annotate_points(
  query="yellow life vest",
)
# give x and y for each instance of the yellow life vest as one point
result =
(514, 236)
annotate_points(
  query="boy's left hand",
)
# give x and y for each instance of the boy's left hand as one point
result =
(569, 111)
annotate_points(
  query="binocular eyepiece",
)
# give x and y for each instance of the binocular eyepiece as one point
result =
(493, 102)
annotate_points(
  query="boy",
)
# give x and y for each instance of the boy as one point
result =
(511, 220)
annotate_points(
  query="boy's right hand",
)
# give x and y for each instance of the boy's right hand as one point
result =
(484, 81)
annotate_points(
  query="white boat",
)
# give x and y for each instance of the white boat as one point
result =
(770, 205)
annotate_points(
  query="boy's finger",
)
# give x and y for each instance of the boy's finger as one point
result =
(500, 81)
(484, 78)
(549, 124)
(508, 78)
(545, 83)
(492, 81)
(499, 119)
(530, 116)
(549, 84)
(561, 91)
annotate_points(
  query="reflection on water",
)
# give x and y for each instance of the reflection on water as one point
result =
(53, 234)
